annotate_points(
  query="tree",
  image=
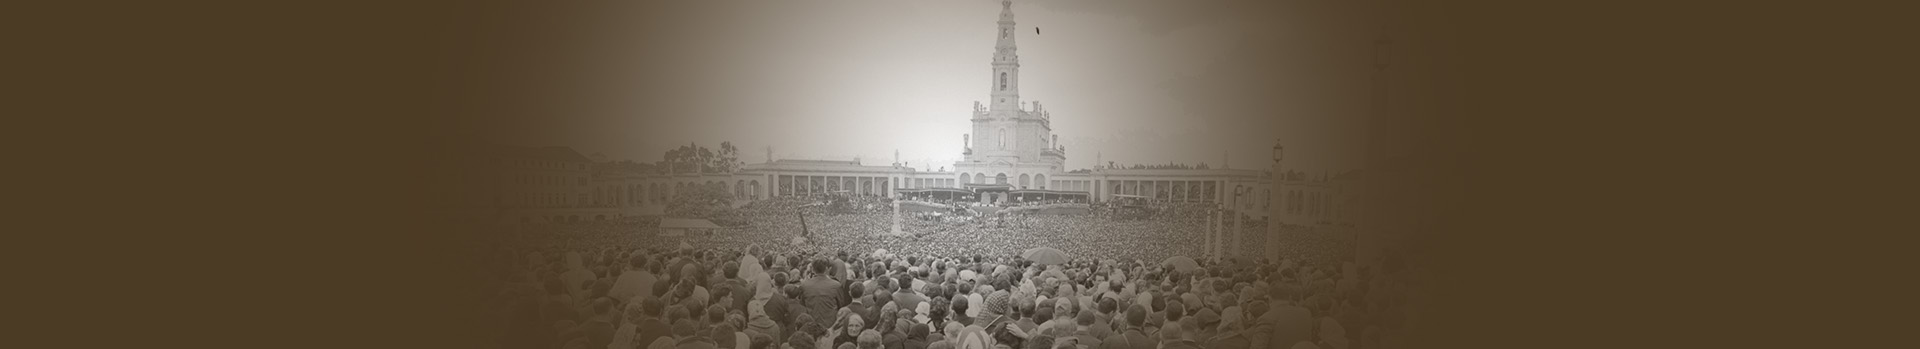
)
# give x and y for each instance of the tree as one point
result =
(710, 202)
(693, 158)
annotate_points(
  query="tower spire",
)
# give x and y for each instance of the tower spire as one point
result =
(1006, 63)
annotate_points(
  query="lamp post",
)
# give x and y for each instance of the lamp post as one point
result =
(1273, 210)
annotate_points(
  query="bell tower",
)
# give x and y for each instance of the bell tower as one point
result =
(1006, 65)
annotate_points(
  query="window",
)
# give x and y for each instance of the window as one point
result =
(1003, 138)
(1003, 83)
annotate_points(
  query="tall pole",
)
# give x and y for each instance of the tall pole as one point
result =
(1214, 230)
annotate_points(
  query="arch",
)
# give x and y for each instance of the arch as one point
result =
(1025, 181)
(1000, 178)
(979, 178)
(1041, 180)
(1003, 81)
(739, 189)
(964, 178)
(755, 186)
(1003, 138)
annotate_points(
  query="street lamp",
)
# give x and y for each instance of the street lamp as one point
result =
(1277, 151)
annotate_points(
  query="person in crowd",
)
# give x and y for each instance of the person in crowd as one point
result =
(1132, 337)
(1083, 333)
(685, 336)
(1177, 336)
(917, 336)
(1103, 318)
(850, 330)
(650, 325)
(759, 323)
(822, 293)
(954, 277)
(869, 339)
(634, 281)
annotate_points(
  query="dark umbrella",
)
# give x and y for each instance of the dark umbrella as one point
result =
(1045, 255)
(1182, 264)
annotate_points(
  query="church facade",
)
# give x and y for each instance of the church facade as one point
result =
(1010, 156)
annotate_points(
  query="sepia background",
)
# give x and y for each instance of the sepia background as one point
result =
(1577, 175)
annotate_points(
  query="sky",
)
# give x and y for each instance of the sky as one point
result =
(1129, 81)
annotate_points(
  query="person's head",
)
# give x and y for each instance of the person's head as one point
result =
(1171, 332)
(905, 280)
(723, 335)
(677, 313)
(684, 288)
(685, 328)
(633, 312)
(799, 340)
(919, 331)
(637, 262)
(792, 290)
(959, 305)
(821, 267)
(869, 339)
(1255, 309)
(691, 272)
(1040, 342)
(601, 288)
(731, 270)
(1159, 303)
(1085, 319)
(602, 307)
(1107, 306)
(1175, 311)
(758, 340)
(855, 323)
(1137, 316)
(802, 320)
(720, 293)
(937, 314)
(716, 314)
(653, 307)
(1043, 314)
(1063, 307)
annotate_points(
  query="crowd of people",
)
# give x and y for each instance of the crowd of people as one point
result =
(614, 284)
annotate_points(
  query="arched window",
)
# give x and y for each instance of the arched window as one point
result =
(965, 177)
(1000, 179)
(1025, 181)
(1003, 81)
(979, 178)
(1003, 138)
(1040, 180)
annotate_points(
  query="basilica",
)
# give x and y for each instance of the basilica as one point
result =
(1011, 156)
